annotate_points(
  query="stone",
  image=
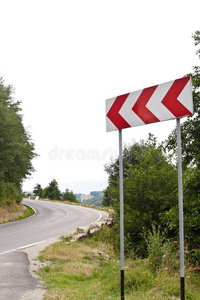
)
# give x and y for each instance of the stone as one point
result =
(85, 230)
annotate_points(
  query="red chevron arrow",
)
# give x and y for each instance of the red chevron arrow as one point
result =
(114, 115)
(140, 106)
(171, 102)
(158, 103)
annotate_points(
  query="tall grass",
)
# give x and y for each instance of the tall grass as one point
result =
(162, 253)
(14, 212)
(91, 270)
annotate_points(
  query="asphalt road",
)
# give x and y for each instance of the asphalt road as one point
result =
(50, 220)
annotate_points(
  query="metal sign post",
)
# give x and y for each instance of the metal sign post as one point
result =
(121, 192)
(180, 196)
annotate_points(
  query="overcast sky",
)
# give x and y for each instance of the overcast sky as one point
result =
(65, 58)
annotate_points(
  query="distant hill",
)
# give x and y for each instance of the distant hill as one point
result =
(96, 193)
(82, 197)
(94, 198)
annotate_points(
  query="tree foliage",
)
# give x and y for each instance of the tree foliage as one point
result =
(150, 189)
(191, 189)
(190, 133)
(16, 147)
(191, 126)
(53, 191)
(38, 190)
(68, 195)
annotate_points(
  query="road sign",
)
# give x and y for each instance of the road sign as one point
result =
(161, 102)
(170, 100)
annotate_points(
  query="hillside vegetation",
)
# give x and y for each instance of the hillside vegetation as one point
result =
(16, 149)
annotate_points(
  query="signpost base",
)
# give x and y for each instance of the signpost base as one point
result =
(122, 284)
(182, 288)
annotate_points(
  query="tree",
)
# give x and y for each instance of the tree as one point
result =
(68, 195)
(53, 192)
(107, 199)
(45, 193)
(191, 207)
(130, 157)
(150, 189)
(191, 169)
(16, 147)
(38, 190)
(191, 127)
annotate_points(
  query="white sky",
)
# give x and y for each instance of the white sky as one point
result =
(65, 58)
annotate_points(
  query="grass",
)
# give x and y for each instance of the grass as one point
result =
(14, 212)
(91, 270)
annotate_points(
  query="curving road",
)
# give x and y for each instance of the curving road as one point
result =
(50, 220)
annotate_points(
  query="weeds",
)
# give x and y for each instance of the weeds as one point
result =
(91, 270)
(66, 238)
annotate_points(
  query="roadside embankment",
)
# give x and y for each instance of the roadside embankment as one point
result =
(14, 212)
